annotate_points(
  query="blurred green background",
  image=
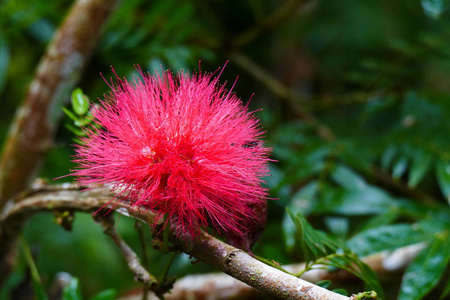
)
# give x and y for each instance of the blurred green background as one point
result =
(355, 98)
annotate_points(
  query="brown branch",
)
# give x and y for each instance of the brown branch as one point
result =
(222, 286)
(33, 128)
(134, 263)
(204, 247)
(253, 272)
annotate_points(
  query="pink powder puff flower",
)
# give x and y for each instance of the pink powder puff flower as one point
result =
(182, 146)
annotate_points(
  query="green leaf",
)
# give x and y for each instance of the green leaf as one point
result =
(388, 157)
(105, 295)
(313, 243)
(324, 283)
(347, 178)
(338, 226)
(318, 248)
(350, 262)
(443, 178)
(289, 230)
(421, 162)
(303, 202)
(387, 237)
(400, 168)
(381, 219)
(357, 197)
(370, 279)
(304, 199)
(425, 271)
(72, 291)
(70, 114)
(341, 292)
(76, 130)
(82, 122)
(370, 200)
(80, 102)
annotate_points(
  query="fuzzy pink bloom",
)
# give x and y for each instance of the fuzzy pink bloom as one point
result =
(182, 146)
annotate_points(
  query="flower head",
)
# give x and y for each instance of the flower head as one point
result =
(182, 146)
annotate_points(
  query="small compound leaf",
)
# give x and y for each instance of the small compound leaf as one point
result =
(426, 270)
(351, 263)
(314, 244)
(80, 102)
(370, 279)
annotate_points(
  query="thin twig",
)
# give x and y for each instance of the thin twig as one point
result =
(270, 82)
(281, 15)
(134, 263)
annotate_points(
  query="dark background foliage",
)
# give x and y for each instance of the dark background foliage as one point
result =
(355, 98)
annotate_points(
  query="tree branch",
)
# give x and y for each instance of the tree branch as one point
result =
(222, 286)
(134, 263)
(33, 128)
(226, 258)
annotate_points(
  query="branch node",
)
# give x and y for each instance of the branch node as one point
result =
(231, 255)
